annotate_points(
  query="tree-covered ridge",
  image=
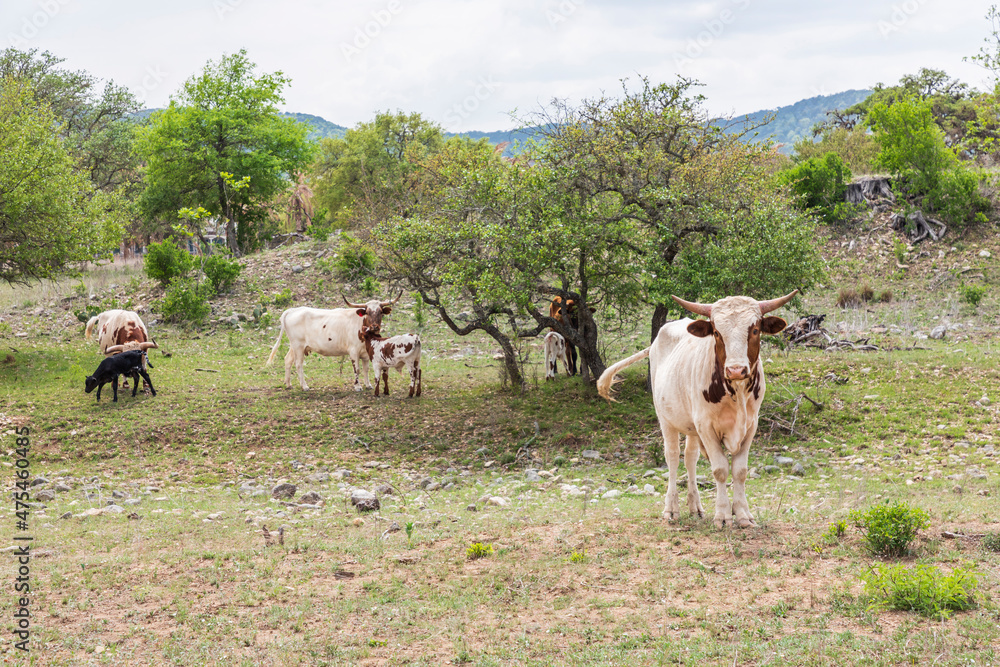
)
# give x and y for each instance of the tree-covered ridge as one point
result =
(795, 122)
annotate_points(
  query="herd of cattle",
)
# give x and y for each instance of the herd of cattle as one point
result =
(707, 376)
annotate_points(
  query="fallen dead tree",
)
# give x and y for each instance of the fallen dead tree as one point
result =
(806, 329)
(917, 227)
(860, 345)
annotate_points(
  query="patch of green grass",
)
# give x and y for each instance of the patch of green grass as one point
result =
(922, 588)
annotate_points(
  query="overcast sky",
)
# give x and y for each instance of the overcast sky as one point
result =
(467, 63)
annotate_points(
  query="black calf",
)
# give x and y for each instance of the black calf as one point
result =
(128, 364)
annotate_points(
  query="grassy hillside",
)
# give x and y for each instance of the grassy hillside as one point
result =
(583, 570)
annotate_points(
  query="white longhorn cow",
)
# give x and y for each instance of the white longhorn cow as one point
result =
(333, 332)
(708, 383)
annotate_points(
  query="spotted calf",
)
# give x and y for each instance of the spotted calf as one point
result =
(555, 349)
(396, 352)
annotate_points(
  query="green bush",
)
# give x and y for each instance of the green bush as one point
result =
(186, 301)
(166, 261)
(991, 542)
(956, 197)
(354, 262)
(923, 589)
(889, 529)
(321, 226)
(479, 550)
(821, 185)
(972, 294)
(282, 298)
(221, 272)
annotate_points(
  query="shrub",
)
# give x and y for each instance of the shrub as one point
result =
(991, 542)
(866, 293)
(221, 272)
(956, 197)
(354, 263)
(166, 261)
(282, 298)
(419, 314)
(479, 550)
(889, 529)
(885, 296)
(186, 301)
(821, 184)
(972, 294)
(923, 589)
(321, 226)
(848, 297)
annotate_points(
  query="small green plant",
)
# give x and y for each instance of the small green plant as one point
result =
(409, 533)
(166, 261)
(991, 542)
(559, 461)
(578, 557)
(84, 314)
(419, 314)
(507, 458)
(899, 250)
(922, 588)
(889, 529)
(369, 286)
(282, 298)
(972, 294)
(866, 293)
(478, 550)
(655, 450)
(221, 272)
(885, 296)
(80, 289)
(835, 532)
(186, 301)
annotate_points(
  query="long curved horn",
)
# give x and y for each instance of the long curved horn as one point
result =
(114, 349)
(697, 308)
(389, 303)
(774, 304)
(148, 345)
(353, 305)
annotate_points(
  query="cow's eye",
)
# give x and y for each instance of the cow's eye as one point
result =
(756, 332)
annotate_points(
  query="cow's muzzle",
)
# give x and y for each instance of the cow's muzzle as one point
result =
(737, 373)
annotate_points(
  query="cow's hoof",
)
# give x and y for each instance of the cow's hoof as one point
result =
(746, 521)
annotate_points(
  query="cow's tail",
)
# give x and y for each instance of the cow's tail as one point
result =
(608, 379)
(90, 326)
(277, 343)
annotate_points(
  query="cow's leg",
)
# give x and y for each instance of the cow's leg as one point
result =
(741, 508)
(135, 383)
(357, 381)
(672, 453)
(99, 388)
(720, 471)
(289, 360)
(365, 362)
(565, 360)
(692, 450)
(420, 373)
(385, 380)
(377, 379)
(114, 388)
(300, 362)
(571, 351)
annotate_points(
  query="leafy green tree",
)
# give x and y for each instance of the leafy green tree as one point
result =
(95, 123)
(821, 185)
(374, 172)
(223, 121)
(51, 215)
(857, 149)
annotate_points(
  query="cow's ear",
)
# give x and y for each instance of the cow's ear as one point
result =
(701, 328)
(361, 312)
(772, 325)
(386, 310)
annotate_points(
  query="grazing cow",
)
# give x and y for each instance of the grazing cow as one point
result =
(396, 352)
(332, 333)
(116, 328)
(128, 364)
(708, 383)
(555, 349)
(562, 316)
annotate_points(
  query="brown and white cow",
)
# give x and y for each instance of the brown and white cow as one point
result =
(118, 328)
(555, 349)
(398, 352)
(333, 332)
(708, 383)
(564, 315)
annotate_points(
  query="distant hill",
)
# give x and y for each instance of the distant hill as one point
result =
(794, 122)
(790, 123)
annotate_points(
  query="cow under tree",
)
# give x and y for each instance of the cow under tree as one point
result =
(398, 352)
(708, 383)
(555, 349)
(333, 332)
(566, 311)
